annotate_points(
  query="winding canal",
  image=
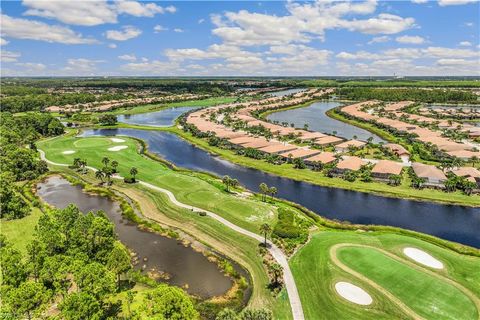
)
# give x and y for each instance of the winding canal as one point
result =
(185, 267)
(455, 223)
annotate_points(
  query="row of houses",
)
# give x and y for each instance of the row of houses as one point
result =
(113, 104)
(425, 135)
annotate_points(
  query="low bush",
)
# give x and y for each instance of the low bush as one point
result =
(129, 180)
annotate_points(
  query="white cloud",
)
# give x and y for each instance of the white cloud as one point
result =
(411, 53)
(419, 1)
(91, 13)
(128, 57)
(35, 30)
(379, 39)
(304, 22)
(127, 32)
(9, 56)
(441, 52)
(137, 9)
(410, 39)
(465, 44)
(200, 21)
(3, 42)
(158, 28)
(458, 62)
(454, 2)
(112, 45)
(178, 30)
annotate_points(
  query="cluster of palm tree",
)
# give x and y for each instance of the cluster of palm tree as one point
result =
(229, 182)
(461, 183)
(106, 173)
(81, 164)
(266, 190)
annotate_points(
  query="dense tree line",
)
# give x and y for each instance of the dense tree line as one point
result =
(18, 156)
(37, 102)
(75, 264)
(398, 94)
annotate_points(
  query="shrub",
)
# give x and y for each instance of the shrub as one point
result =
(129, 180)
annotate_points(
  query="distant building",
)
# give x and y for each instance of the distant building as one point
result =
(433, 176)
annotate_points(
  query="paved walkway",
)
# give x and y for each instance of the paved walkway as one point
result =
(278, 255)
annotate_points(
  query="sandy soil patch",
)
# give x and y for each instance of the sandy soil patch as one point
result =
(422, 257)
(68, 152)
(117, 148)
(117, 140)
(353, 293)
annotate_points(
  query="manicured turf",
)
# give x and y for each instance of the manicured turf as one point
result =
(19, 232)
(187, 188)
(428, 296)
(315, 274)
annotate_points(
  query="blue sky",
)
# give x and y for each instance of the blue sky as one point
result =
(223, 38)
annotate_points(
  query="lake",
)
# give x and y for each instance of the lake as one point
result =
(162, 118)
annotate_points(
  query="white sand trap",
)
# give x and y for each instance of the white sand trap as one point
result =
(423, 258)
(353, 293)
(117, 148)
(117, 140)
(68, 152)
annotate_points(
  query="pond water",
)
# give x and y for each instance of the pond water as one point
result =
(183, 264)
(162, 118)
(315, 116)
(455, 223)
(283, 93)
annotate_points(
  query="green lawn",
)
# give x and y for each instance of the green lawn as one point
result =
(19, 232)
(315, 274)
(187, 188)
(428, 296)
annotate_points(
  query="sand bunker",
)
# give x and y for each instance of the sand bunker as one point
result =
(117, 140)
(117, 148)
(423, 258)
(353, 293)
(68, 152)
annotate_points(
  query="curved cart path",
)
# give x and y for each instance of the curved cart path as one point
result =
(398, 302)
(278, 255)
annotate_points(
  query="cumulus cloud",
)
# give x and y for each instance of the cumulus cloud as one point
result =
(112, 45)
(128, 57)
(31, 67)
(91, 13)
(127, 32)
(80, 66)
(304, 22)
(411, 53)
(35, 30)
(465, 44)
(9, 56)
(3, 42)
(419, 1)
(410, 39)
(178, 30)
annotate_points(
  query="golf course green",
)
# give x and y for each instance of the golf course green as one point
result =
(385, 273)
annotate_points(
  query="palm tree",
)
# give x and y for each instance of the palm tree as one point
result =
(99, 175)
(273, 191)
(76, 162)
(226, 181)
(108, 174)
(395, 179)
(105, 161)
(114, 165)
(264, 189)
(83, 165)
(133, 172)
(265, 229)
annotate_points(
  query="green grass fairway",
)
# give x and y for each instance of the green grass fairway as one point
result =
(315, 275)
(187, 187)
(428, 296)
